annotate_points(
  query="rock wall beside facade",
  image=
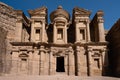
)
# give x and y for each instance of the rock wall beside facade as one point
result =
(7, 28)
(114, 49)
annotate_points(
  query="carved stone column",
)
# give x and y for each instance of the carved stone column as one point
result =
(30, 62)
(54, 65)
(88, 30)
(101, 29)
(42, 60)
(43, 31)
(14, 68)
(65, 30)
(104, 61)
(66, 63)
(77, 32)
(89, 61)
(36, 62)
(19, 30)
(46, 63)
(44, 34)
(71, 63)
(78, 60)
(32, 31)
(51, 63)
(54, 33)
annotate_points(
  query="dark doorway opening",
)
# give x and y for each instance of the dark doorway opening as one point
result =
(60, 64)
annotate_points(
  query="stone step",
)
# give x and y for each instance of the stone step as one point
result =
(55, 77)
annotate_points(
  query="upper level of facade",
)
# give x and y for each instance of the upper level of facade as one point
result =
(62, 29)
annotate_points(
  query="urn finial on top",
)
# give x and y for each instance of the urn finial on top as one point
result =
(59, 12)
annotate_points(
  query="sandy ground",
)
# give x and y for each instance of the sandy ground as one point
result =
(55, 77)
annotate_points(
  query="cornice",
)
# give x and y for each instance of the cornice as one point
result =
(38, 11)
(100, 13)
(59, 45)
(22, 43)
(81, 12)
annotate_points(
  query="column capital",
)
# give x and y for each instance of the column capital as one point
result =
(100, 20)
(103, 50)
(82, 49)
(32, 20)
(87, 20)
(53, 50)
(42, 49)
(76, 21)
(77, 48)
(43, 22)
(20, 20)
(89, 49)
(88, 30)
(70, 49)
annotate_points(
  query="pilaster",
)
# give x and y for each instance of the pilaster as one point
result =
(42, 60)
(89, 61)
(78, 60)
(105, 63)
(36, 62)
(51, 63)
(88, 30)
(32, 31)
(43, 31)
(30, 62)
(101, 29)
(54, 33)
(65, 34)
(71, 61)
(14, 68)
(76, 31)
(19, 30)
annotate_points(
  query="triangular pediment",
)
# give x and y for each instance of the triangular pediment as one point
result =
(81, 11)
(38, 11)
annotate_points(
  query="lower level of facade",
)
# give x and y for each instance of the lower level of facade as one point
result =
(89, 59)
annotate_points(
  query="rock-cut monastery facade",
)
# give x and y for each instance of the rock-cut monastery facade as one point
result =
(67, 45)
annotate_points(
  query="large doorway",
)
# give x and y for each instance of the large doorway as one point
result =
(60, 64)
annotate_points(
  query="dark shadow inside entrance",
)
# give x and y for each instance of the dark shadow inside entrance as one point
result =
(60, 64)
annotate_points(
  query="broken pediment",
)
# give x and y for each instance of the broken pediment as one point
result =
(38, 11)
(81, 11)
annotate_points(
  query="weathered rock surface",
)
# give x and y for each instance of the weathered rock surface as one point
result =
(7, 28)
